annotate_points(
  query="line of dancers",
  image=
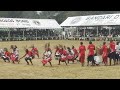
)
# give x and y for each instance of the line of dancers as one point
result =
(65, 54)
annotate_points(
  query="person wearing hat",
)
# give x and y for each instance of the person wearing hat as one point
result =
(47, 55)
(63, 54)
(14, 55)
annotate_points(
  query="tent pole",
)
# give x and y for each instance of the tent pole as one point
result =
(23, 34)
(97, 31)
(77, 30)
(109, 31)
(84, 33)
(9, 35)
(36, 34)
(48, 33)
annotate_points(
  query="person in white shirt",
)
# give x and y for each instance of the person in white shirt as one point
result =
(47, 55)
(117, 55)
(97, 60)
(1, 53)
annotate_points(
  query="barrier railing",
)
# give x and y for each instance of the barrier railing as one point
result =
(60, 38)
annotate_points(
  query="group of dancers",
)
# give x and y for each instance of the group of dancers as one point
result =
(108, 52)
(65, 54)
(13, 55)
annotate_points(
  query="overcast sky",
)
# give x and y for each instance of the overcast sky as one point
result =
(39, 12)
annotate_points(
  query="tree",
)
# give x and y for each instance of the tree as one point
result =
(4, 14)
(14, 14)
(30, 14)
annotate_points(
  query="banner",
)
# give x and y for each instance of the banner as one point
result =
(29, 23)
(92, 20)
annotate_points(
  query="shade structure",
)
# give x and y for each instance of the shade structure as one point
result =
(29, 23)
(92, 20)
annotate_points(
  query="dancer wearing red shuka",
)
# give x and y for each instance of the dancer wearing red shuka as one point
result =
(6, 55)
(47, 55)
(105, 53)
(57, 53)
(14, 55)
(75, 52)
(35, 51)
(82, 50)
(71, 55)
(63, 55)
(28, 56)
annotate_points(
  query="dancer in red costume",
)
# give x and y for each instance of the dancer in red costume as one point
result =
(63, 55)
(82, 50)
(105, 53)
(35, 51)
(90, 58)
(47, 55)
(28, 56)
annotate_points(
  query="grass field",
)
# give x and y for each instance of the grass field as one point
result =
(37, 71)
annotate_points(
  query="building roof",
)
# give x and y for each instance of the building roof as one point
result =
(29, 23)
(92, 20)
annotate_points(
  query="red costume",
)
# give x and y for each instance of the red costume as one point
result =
(112, 46)
(57, 54)
(91, 49)
(14, 55)
(47, 57)
(28, 55)
(82, 50)
(7, 54)
(75, 52)
(35, 52)
(63, 55)
(104, 53)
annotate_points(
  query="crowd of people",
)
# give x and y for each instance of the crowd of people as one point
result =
(24, 34)
(48, 34)
(110, 52)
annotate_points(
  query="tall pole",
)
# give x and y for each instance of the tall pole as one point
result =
(48, 34)
(36, 34)
(97, 31)
(109, 31)
(23, 34)
(84, 33)
(9, 35)
(77, 30)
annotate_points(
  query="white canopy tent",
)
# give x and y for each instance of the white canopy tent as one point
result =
(92, 20)
(29, 23)
(11, 23)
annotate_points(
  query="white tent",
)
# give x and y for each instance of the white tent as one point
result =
(29, 23)
(92, 20)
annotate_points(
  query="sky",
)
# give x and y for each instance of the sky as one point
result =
(38, 12)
